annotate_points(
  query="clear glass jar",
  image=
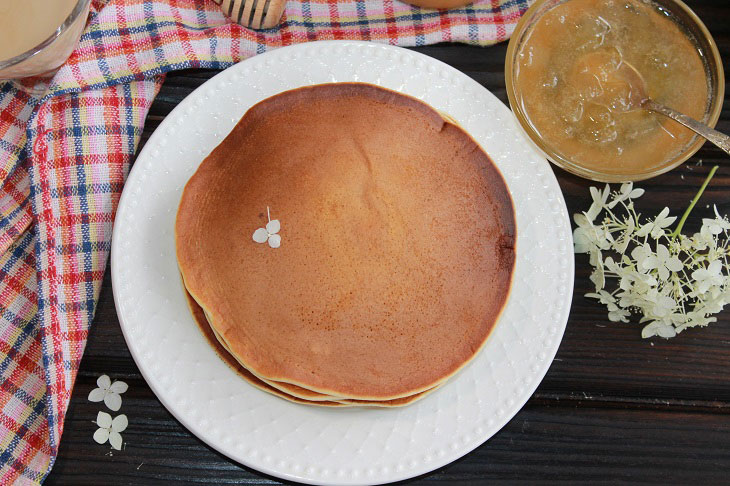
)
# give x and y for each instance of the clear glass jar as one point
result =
(701, 38)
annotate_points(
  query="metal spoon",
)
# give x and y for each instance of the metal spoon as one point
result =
(639, 97)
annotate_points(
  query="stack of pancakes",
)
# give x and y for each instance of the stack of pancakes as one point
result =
(396, 256)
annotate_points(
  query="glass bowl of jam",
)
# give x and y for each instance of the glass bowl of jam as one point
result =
(564, 85)
(37, 36)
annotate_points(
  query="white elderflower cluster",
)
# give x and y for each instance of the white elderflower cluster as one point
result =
(671, 280)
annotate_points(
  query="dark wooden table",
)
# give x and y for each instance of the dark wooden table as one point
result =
(612, 407)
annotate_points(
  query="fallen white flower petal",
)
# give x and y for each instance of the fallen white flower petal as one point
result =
(110, 429)
(273, 226)
(120, 423)
(113, 401)
(101, 435)
(97, 395)
(108, 392)
(260, 235)
(104, 420)
(275, 241)
(115, 439)
(269, 233)
(119, 387)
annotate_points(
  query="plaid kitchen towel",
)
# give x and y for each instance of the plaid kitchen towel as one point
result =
(64, 156)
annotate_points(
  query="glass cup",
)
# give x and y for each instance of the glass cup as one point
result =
(50, 54)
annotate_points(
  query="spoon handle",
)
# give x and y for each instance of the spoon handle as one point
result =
(718, 138)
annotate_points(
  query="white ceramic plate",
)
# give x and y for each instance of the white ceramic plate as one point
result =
(345, 446)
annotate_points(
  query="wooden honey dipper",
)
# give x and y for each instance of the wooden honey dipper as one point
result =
(254, 14)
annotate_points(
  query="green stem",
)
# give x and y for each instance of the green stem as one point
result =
(697, 197)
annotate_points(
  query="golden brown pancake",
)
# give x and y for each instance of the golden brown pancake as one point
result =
(309, 395)
(397, 402)
(397, 242)
(289, 389)
(199, 317)
(201, 320)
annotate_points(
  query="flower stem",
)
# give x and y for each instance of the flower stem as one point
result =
(691, 206)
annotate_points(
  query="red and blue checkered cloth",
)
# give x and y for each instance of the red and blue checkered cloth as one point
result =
(64, 156)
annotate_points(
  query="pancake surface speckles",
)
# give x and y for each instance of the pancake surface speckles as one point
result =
(397, 242)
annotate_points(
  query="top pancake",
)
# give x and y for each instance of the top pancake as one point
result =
(397, 242)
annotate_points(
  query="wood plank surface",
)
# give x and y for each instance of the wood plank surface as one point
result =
(612, 407)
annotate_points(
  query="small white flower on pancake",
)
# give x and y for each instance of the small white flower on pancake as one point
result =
(108, 392)
(109, 429)
(269, 233)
